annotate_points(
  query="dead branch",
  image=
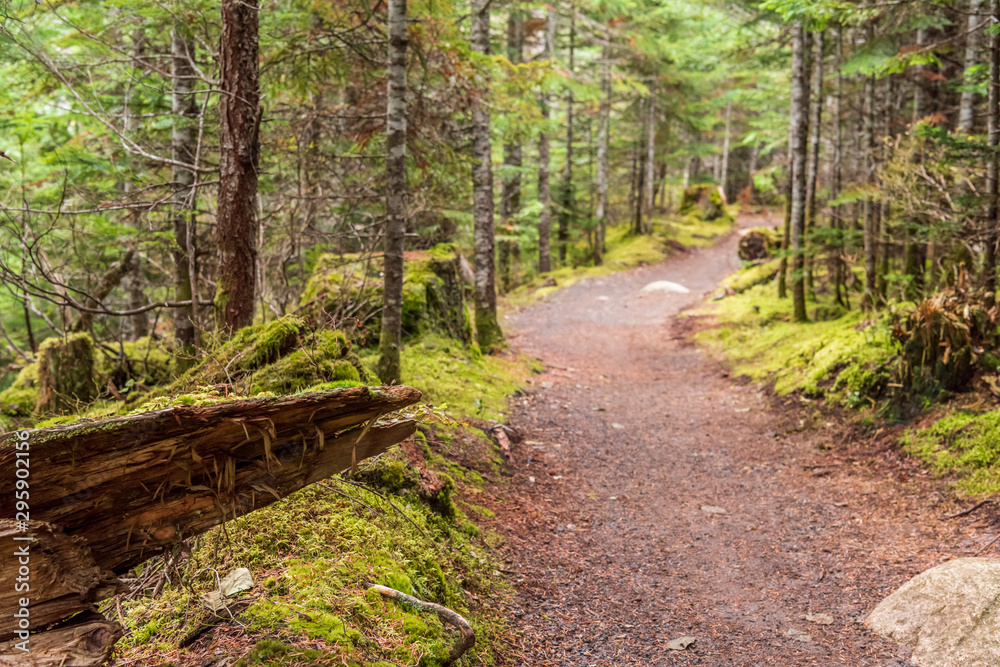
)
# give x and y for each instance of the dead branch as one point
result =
(467, 638)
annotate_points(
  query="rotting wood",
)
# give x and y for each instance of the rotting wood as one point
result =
(85, 641)
(467, 636)
(107, 495)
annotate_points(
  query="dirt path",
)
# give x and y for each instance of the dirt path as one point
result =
(631, 435)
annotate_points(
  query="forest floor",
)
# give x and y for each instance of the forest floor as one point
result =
(655, 498)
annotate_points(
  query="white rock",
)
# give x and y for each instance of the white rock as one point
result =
(665, 286)
(949, 615)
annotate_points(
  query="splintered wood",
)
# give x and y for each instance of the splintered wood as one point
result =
(107, 495)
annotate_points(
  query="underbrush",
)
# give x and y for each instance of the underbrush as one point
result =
(932, 365)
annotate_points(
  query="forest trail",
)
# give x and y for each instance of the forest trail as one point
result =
(636, 442)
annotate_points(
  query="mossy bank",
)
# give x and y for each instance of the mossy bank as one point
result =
(876, 365)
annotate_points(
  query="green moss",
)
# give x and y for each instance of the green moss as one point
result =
(257, 346)
(279, 358)
(273, 652)
(752, 275)
(965, 445)
(145, 361)
(837, 357)
(66, 374)
(433, 294)
(19, 399)
(324, 358)
(461, 381)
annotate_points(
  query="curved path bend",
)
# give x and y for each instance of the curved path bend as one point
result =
(654, 498)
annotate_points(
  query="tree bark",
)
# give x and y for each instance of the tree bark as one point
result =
(966, 116)
(650, 182)
(510, 197)
(544, 190)
(488, 333)
(885, 212)
(812, 174)
(391, 334)
(107, 497)
(183, 150)
(868, 149)
(840, 294)
(724, 177)
(603, 136)
(133, 281)
(239, 161)
(799, 132)
(912, 256)
(639, 162)
(568, 203)
(993, 139)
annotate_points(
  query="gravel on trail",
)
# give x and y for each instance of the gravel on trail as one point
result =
(654, 499)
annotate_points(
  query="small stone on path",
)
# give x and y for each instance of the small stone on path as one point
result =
(665, 286)
(799, 636)
(820, 619)
(680, 643)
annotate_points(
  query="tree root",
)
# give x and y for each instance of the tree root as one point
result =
(971, 509)
(467, 638)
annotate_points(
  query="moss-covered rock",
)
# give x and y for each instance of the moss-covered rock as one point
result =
(703, 201)
(66, 374)
(433, 294)
(19, 399)
(280, 357)
(758, 243)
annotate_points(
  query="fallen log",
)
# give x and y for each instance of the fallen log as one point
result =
(107, 495)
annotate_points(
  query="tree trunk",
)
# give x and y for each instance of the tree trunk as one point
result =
(391, 334)
(812, 173)
(184, 147)
(724, 179)
(488, 333)
(510, 198)
(108, 496)
(544, 192)
(239, 161)
(133, 281)
(885, 212)
(840, 294)
(568, 196)
(993, 165)
(799, 132)
(650, 157)
(632, 189)
(640, 179)
(786, 228)
(868, 147)
(912, 255)
(966, 117)
(603, 129)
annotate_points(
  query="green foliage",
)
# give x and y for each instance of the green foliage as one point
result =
(965, 445)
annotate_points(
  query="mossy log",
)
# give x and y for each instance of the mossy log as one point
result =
(107, 495)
